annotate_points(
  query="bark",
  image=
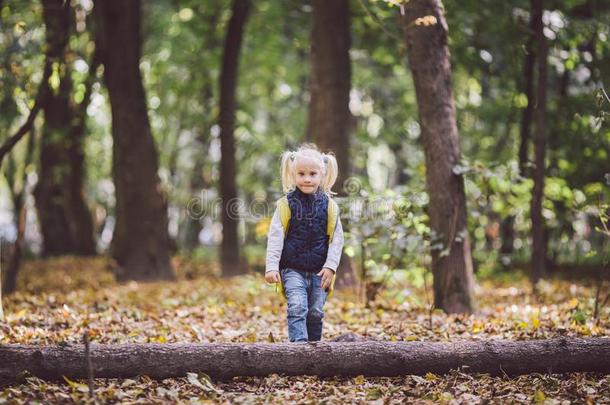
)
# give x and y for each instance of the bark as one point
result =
(140, 242)
(538, 237)
(65, 221)
(507, 235)
(399, 178)
(328, 123)
(230, 258)
(431, 71)
(329, 115)
(528, 89)
(369, 358)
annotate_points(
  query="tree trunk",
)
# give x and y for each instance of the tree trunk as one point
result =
(18, 197)
(431, 70)
(507, 226)
(329, 115)
(507, 236)
(231, 261)
(330, 83)
(140, 242)
(191, 226)
(369, 358)
(538, 237)
(528, 89)
(10, 279)
(65, 221)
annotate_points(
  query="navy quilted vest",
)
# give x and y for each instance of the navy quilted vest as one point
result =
(306, 242)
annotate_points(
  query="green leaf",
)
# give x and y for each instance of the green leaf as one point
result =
(579, 317)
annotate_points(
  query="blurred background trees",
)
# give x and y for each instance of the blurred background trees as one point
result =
(148, 122)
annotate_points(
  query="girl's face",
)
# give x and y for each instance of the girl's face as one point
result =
(308, 175)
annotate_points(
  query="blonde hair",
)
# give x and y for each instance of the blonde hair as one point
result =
(326, 161)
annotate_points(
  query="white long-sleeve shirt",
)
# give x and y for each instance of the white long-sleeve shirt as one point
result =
(275, 244)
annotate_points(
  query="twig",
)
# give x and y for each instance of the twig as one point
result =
(89, 366)
(1, 310)
(363, 277)
(428, 303)
(378, 22)
(605, 94)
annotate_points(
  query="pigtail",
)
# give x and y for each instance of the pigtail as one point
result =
(332, 172)
(287, 171)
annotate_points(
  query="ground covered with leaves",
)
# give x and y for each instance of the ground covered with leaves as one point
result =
(59, 299)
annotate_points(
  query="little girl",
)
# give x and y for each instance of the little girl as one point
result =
(304, 241)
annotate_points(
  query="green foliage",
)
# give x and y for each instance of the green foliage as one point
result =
(181, 62)
(21, 60)
(388, 233)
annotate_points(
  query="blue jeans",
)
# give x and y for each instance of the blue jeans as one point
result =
(305, 298)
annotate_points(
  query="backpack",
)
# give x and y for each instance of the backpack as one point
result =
(333, 218)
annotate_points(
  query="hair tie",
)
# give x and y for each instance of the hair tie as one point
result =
(325, 160)
(291, 155)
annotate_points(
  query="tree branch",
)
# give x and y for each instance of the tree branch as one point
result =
(27, 125)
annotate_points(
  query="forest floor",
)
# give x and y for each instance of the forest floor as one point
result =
(59, 298)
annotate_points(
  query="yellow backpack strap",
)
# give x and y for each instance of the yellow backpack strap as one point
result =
(284, 208)
(282, 205)
(333, 217)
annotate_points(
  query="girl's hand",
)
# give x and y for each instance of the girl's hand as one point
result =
(272, 277)
(327, 276)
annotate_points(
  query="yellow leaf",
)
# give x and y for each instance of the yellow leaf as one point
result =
(157, 339)
(426, 20)
(70, 382)
(270, 338)
(359, 380)
(19, 28)
(584, 330)
(54, 79)
(535, 322)
(262, 227)
(539, 397)
(431, 376)
(76, 385)
(478, 327)
(573, 303)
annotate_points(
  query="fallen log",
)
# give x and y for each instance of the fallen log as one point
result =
(369, 358)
